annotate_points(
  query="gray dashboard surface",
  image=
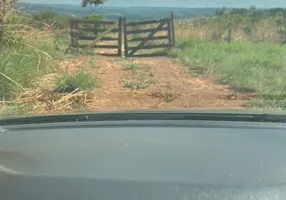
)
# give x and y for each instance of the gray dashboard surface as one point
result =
(131, 162)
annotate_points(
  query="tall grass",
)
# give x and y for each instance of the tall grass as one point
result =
(247, 25)
(68, 83)
(26, 54)
(247, 67)
(214, 30)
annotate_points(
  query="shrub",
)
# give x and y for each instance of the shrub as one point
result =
(46, 16)
(43, 18)
(68, 83)
(93, 17)
(247, 29)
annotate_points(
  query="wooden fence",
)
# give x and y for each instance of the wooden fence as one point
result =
(132, 33)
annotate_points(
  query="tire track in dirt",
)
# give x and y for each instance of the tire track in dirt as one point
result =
(172, 87)
(112, 94)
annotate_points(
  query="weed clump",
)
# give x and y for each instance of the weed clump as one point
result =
(68, 83)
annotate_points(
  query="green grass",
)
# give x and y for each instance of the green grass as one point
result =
(21, 64)
(136, 85)
(142, 75)
(132, 66)
(81, 80)
(167, 96)
(15, 109)
(245, 66)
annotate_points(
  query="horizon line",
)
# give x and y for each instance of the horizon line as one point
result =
(185, 7)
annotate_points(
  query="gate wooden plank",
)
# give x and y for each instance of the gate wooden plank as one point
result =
(72, 33)
(93, 38)
(120, 36)
(147, 30)
(98, 46)
(154, 31)
(93, 21)
(169, 32)
(103, 34)
(151, 54)
(173, 29)
(155, 46)
(99, 30)
(76, 34)
(134, 23)
(125, 37)
(153, 38)
(106, 54)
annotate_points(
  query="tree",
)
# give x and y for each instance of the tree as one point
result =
(92, 4)
(252, 10)
(220, 11)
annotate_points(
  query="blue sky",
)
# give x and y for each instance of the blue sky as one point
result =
(177, 3)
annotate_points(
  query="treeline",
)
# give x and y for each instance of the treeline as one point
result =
(252, 13)
(131, 13)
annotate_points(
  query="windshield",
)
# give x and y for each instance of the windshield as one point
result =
(90, 55)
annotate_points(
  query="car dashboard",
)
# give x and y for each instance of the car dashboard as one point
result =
(143, 159)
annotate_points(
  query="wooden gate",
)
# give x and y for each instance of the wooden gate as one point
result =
(89, 33)
(160, 34)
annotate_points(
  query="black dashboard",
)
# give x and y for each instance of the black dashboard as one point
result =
(143, 159)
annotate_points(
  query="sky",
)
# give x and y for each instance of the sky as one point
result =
(176, 3)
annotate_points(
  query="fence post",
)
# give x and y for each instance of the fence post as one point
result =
(72, 33)
(229, 33)
(169, 32)
(173, 29)
(76, 34)
(120, 36)
(125, 38)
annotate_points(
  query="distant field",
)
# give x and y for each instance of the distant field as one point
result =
(134, 13)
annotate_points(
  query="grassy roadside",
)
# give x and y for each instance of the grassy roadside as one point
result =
(32, 76)
(247, 67)
(22, 64)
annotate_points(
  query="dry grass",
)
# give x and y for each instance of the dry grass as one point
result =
(209, 29)
(31, 62)
(41, 101)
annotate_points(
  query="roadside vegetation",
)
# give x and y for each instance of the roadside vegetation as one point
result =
(258, 69)
(140, 76)
(253, 62)
(32, 78)
(247, 25)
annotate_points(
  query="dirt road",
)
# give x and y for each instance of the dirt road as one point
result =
(160, 82)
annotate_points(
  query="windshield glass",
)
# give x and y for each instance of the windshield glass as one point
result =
(90, 55)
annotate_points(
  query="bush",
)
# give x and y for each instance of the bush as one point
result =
(247, 29)
(68, 83)
(44, 18)
(93, 17)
